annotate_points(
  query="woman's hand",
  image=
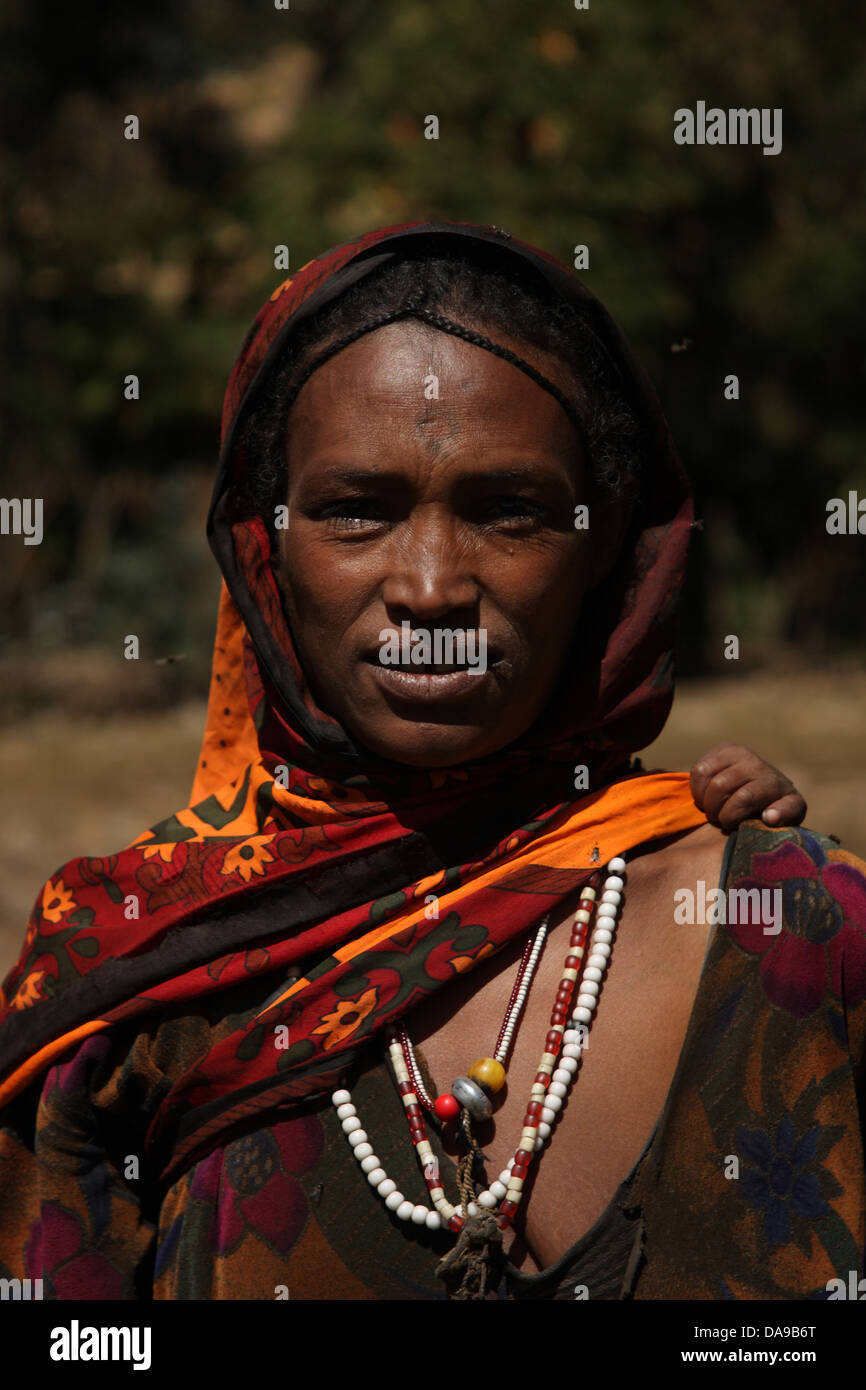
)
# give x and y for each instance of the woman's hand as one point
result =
(731, 784)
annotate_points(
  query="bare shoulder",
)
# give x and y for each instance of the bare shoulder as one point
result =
(696, 854)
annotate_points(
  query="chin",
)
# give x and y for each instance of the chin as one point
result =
(430, 749)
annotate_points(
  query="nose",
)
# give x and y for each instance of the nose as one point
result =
(431, 573)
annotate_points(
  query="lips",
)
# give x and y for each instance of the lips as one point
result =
(419, 668)
(425, 682)
(426, 685)
(371, 656)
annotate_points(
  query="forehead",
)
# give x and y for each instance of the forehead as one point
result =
(408, 370)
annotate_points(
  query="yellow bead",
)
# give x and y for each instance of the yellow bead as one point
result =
(488, 1073)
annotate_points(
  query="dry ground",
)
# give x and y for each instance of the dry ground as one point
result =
(73, 785)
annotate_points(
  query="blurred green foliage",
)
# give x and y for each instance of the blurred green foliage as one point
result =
(306, 126)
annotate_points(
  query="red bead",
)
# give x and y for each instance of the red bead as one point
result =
(405, 1087)
(522, 1158)
(572, 962)
(447, 1108)
(456, 1223)
(552, 1041)
(542, 1078)
(533, 1109)
(507, 1208)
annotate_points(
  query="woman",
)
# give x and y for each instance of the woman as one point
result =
(436, 430)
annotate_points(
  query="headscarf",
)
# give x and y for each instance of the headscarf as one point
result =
(356, 886)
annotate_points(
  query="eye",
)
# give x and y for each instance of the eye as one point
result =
(353, 512)
(362, 513)
(512, 508)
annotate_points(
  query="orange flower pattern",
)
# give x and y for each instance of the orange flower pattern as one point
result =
(345, 1019)
(165, 852)
(28, 991)
(247, 859)
(56, 900)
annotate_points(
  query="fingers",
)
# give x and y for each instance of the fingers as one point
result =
(726, 803)
(788, 810)
(723, 758)
(732, 784)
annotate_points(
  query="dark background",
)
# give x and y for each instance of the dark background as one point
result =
(261, 127)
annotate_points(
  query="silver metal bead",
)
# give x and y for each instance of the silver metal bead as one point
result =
(467, 1093)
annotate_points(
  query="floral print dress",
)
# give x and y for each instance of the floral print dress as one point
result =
(751, 1185)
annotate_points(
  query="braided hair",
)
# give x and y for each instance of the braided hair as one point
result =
(479, 294)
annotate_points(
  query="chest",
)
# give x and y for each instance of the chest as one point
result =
(628, 1063)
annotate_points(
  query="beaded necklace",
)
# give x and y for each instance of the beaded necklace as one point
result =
(472, 1096)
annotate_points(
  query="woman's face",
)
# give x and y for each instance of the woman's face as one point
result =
(450, 511)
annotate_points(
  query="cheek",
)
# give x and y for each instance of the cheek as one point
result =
(543, 592)
(320, 596)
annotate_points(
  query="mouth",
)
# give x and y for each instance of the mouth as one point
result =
(444, 681)
(432, 668)
(372, 656)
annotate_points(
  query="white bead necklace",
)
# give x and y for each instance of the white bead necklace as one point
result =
(559, 1068)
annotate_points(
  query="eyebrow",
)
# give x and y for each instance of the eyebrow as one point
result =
(511, 474)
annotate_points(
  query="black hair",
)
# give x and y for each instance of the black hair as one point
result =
(513, 300)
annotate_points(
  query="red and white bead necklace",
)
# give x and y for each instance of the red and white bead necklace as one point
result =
(559, 1063)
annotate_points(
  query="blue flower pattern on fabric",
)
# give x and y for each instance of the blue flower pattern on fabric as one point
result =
(780, 1183)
